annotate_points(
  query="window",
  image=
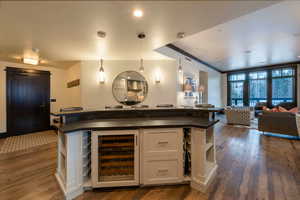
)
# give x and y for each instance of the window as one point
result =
(282, 85)
(257, 87)
(236, 82)
(273, 86)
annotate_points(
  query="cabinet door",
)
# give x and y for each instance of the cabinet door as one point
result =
(115, 158)
(162, 156)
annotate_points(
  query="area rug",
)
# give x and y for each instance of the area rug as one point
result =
(23, 142)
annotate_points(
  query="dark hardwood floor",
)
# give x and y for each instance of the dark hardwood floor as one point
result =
(251, 166)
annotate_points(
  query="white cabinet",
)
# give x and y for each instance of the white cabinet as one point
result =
(135, 157)
(115, 158)
(73, 158)
(203, 161)
(161, 156)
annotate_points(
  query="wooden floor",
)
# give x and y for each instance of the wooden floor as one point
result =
(251, 166)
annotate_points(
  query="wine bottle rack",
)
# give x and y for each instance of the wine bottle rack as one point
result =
(86, 155)
(187, 152)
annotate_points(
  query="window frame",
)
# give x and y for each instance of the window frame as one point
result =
(246, 93)
(229, 87)
(249, 79)
(294, 84)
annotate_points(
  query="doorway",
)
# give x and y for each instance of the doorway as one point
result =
(27, 100)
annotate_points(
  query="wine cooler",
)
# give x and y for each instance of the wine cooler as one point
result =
(115, 158)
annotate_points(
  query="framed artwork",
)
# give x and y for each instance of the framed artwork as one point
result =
(189, 85)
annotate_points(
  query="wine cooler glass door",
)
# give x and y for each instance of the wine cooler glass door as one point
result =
(115, 158)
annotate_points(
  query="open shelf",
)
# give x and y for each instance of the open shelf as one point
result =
(209, 136)
(208, 146)
(63, 169)
(210, 157)
(86, 156)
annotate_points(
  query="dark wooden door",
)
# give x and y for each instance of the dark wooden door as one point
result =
(28, 100)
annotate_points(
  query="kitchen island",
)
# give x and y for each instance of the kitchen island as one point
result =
(135, 147)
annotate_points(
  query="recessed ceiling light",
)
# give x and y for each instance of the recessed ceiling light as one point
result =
(138, 13)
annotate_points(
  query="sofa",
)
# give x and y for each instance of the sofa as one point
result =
(278, 122)
(238, 115)
(258, 108)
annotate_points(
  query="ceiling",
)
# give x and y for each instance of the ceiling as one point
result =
(267, 36)
(65, 32)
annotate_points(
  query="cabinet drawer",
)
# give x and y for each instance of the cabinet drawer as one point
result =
(161, 140)
(162, 171)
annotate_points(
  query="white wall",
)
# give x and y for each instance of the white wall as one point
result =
(214, 77)
(214, 83)
(189, 68)
(74, 93)
(298, 85)
(224, 89)
(95, 95)
(57, 84)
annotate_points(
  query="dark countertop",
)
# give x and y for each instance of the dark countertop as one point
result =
(137, 109)
(136, 123)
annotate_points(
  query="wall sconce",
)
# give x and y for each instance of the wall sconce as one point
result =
(101, 73)
(201, 90)
(157, 76)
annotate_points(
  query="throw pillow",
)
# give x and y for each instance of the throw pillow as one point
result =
(294, 110)
(282, 109)
(265, 108)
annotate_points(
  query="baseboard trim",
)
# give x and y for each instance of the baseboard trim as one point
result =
(69, 195)
(4, 135)
(202, 186)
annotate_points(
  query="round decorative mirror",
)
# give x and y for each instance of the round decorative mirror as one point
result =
(130, 88)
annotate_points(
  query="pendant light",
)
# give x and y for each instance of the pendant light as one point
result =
(141, 69)
(31, 56)
(180, 67)
(102, 35)
(141, 36)
(101, 72)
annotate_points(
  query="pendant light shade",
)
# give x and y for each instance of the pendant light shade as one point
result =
(101, 72)
(101, 66)
(180, 67)
(141, 69)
